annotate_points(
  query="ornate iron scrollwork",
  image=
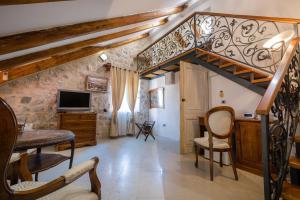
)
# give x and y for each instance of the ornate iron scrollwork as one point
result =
(238, 39)
(174, 43)
(282, 132)
(235, 38)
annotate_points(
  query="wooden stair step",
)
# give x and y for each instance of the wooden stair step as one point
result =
(297, 139)
(261, 80)
(212, 59)
(199, 55)
(244, 71)
(294, 162)
(226, 65)
(290, 192)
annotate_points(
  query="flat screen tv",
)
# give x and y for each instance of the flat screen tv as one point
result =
(68, 100)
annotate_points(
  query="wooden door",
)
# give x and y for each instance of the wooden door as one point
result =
(194, 102)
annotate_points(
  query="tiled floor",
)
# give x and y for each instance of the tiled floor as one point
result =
(132, 169)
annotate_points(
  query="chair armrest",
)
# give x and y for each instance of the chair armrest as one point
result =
(70, 176)
(17, 156)
(77, 171)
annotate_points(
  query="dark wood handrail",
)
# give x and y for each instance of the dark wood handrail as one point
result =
(267, 101)
(251, 17)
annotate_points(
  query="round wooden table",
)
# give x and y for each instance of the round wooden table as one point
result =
(36, 139)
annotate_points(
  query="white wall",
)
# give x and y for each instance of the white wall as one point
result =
(240, 98)
(272, 8)
(167, 120)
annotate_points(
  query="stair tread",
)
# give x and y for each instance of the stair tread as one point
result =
(212, 59)
(201, 54)
(297, 139)
(294, 162)
(243, 71)
(267, 79)
(226, 65)
(290, 192)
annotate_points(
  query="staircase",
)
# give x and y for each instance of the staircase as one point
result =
(231, 46)
(291, 191)
(249, 77)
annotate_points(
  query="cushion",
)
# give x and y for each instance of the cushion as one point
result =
(219, 122)
(78, 170)
(69, 192)
(217, 143)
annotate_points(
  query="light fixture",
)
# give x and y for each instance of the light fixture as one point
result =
(103, 57)
(107, 66)
(280, 40)
(4, 75)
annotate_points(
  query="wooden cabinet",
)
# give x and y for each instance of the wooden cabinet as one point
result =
(83, 125)
(248, 145)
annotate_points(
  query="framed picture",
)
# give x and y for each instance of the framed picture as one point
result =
(96, 84)
(157, 98)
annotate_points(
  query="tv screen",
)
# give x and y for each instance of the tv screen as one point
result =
(73, 100)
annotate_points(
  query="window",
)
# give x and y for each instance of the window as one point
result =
(125, 108)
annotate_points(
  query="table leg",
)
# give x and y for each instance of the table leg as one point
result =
(36, 175)
(72, 153)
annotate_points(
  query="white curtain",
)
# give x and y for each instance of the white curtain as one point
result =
(125, 86)
(118, 82)
(132, 87)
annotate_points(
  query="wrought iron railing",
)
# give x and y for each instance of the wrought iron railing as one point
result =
(239, 38)
(282, 101)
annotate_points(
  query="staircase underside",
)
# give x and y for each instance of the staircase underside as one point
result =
(247, 76)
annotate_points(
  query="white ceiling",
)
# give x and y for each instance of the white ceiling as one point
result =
(29, 17)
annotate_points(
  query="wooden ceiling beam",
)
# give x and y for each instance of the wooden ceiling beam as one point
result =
(21, 60)
(12, 43)
(16, 2)
(47, 63)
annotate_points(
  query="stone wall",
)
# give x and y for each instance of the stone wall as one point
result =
(33, 98)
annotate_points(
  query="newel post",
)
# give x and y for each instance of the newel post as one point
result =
(265, 154)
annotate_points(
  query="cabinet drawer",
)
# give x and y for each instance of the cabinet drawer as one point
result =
(74, 124)
(72, 117)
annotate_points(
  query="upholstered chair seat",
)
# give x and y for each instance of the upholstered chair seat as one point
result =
(217, 143)
(70, 192)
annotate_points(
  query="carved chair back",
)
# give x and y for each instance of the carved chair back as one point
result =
(8, 137)
(219, 122)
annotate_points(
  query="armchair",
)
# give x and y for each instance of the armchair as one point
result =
(58, 189)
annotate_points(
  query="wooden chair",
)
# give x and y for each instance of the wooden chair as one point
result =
(58, 189)
(146, 129)
(219, 122)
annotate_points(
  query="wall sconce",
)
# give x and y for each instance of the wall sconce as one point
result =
(4, 75)
(107, 66)
(103, 57)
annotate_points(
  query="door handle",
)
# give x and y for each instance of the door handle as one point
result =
(183, 99)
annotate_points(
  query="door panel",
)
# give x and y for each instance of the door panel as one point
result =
(194, 102)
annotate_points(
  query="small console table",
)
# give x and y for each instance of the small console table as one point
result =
(37, 139)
